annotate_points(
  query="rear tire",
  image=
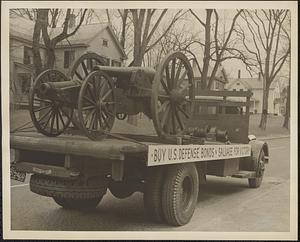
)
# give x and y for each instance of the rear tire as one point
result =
(80, 204)
(153, 194)
(180, 193)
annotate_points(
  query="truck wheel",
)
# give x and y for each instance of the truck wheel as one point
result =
(259, 166)
(81, 204)
(180, 193)
(74, 190)
(153, 194)
(121, 190)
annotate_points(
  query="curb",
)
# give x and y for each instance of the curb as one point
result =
(274, 137)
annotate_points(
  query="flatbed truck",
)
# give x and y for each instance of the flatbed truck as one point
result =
(77, 172)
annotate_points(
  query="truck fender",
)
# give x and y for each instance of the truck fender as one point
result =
(247, 163)
(257, 146)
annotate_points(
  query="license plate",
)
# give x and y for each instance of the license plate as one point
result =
(17, 175)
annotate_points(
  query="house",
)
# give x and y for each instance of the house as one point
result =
(98, 38)
(220, 79)
(256, 86)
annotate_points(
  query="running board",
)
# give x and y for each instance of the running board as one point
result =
(245, 174)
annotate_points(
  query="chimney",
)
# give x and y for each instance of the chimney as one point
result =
(239, 74)
(72, 21)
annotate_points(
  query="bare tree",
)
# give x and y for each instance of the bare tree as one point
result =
(144, 31)
(268, 46)
(215, 50)
(44, 18)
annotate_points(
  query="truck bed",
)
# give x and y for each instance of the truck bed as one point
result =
(108, 148)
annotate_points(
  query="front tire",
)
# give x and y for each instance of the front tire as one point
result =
(259, 166)
(180, 193)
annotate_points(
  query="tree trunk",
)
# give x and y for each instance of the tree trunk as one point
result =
(206, 57)
(50, 57)
(37, 60)
(287, 110)
(264, 114)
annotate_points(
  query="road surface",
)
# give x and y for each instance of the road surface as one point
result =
(225, 204)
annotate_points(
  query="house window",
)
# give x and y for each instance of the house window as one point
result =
(28, 56)
(115, 63)
(105, 43)
(69, 57)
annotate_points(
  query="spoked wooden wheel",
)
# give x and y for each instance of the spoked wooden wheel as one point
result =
(85, 65)
(49, 116)
(96, 105)
(172, 95)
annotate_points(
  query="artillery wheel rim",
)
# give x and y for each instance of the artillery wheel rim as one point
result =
(84, 65)
(55, 118)
(172, 97)
(96, 105)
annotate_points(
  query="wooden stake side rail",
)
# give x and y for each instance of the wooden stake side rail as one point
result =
(108, 148)
(75, 145)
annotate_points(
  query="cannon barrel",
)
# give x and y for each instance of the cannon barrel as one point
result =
(52, 87)
(125, 72)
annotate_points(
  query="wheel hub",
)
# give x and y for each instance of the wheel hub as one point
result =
(176, 96)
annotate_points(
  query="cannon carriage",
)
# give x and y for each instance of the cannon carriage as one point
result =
(100, 93)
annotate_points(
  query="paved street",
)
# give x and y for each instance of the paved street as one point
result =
(225, 204)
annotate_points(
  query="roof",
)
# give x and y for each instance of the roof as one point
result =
(22, 28)
(249, 83)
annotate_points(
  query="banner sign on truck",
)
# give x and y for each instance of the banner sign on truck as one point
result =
(171, 154)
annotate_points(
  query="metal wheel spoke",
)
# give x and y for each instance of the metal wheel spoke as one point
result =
(87, 108)
(96, 121)
(178, 118)
(92, 120)
(41, 108)
(103, 88)
(61, 118)
(84, 68)
(65, 113)
(78, 75)
(163, 97)
(184, 113)
(105, 120)
(89, 100)
(173, 118)
(44, 127)
(44, 115)
(52, 123)
(108, 113)
(106, 95)
(42, 100)
(163, 106)
(165, 86)
(88, 116)
(165, 115)
(95, 89)
(90, 91)
(57, 121)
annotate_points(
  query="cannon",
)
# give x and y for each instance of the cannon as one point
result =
(99, 94)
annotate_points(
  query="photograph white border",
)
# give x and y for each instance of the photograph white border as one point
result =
(87, 235)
